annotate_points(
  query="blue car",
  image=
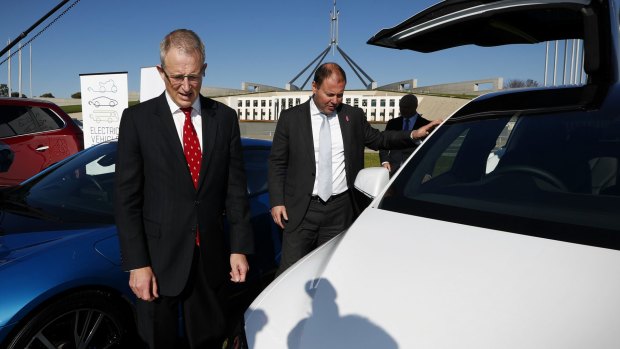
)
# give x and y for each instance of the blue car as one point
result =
(62, 284)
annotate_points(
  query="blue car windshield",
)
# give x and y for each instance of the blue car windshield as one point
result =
(78, 190)
(549, 175)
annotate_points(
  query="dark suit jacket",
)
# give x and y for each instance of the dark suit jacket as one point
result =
(157, 207)
(396, 156)
(292, 163)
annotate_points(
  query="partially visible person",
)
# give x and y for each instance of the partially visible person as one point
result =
(409, 120)
(318, 149)
(179, 169)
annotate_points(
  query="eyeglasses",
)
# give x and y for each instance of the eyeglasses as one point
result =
(193, 79)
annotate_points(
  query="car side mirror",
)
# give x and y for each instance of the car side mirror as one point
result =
(371, 181)
(6, 157)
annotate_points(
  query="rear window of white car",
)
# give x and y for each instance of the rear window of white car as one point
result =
(550, 175)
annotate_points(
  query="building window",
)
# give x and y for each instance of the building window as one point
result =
(356, 102)
(382, 103)
(240, 103)
(297, 101)
(255, 103)
(392, 102)
(373, 103)
(247, 103)
(364, 102)
(348, 101)
(263, 103)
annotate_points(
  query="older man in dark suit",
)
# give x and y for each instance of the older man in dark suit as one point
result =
(318, 149)
(409, 120)
(179, 169)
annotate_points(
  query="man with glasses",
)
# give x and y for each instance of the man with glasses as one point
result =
(179, 169)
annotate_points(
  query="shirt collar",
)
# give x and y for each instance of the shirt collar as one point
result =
(175, 108)
(314, 110)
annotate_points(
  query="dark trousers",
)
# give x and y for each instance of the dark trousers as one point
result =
(199, 306)
(322, 222)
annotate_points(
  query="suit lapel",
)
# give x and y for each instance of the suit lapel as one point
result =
(169, 132)
(209, 134)
(345, 129)
(306, 138)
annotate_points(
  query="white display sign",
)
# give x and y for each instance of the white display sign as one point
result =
(104, 97)
(151, 84)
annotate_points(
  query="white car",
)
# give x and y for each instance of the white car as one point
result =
(458, 251)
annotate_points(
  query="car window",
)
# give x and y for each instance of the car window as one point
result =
(516, 171)
(255, 161)
(46, 120)
(81, 190)
(15, 121)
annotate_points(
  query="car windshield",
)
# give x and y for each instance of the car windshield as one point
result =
(552, 175)
(79, 190)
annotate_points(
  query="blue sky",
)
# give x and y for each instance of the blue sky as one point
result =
(266, 42)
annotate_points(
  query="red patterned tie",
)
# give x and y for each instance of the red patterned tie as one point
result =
(191, 146)
(193, 154)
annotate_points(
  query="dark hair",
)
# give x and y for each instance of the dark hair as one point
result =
(409, 102)
(326, 70)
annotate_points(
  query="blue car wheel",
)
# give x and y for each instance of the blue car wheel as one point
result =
(80, 320)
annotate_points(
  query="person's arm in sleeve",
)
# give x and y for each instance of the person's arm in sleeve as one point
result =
(278, 167)
(238, 209)
(128, 200)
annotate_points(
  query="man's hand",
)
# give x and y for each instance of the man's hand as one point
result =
(425, 130)
(239, 267)
(387, 166)
(143, 283)
(279, 215)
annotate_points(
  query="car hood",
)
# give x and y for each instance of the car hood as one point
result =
(440, 285)
(15, 247)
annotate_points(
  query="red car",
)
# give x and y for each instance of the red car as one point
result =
(34, 134)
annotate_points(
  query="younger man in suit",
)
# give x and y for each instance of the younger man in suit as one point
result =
(317, 151)
(409, 120)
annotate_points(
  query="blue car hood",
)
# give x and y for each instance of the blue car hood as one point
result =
(21, 237)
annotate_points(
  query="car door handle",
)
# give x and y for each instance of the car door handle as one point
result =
(42, 148)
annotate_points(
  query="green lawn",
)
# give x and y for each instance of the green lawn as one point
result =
(371, 160)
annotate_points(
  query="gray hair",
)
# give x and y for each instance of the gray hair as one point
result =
(185, 40)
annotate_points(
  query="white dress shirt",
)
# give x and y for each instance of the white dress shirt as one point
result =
(179, 118)
(339, 175)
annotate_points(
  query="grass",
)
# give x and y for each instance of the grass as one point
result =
(371, 159)
(78, 108)
(71, 108)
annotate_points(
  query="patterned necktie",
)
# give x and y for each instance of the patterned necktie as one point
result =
(191, 146)
(325, 161)
(193, 154)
